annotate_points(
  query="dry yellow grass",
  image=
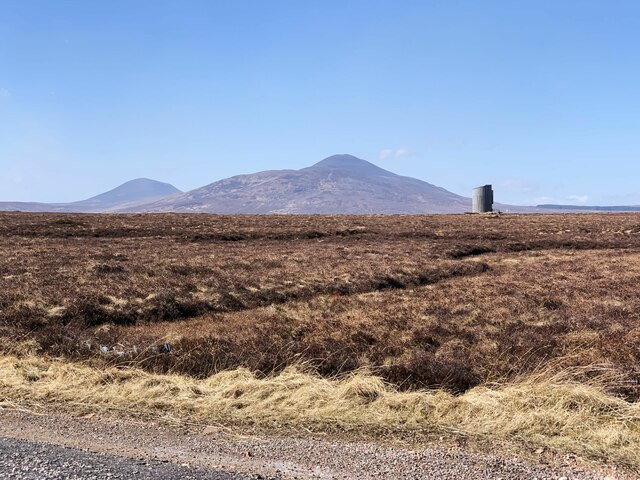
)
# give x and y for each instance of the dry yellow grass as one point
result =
(553, 411)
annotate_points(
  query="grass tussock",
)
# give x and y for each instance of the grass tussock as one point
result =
(554, 411)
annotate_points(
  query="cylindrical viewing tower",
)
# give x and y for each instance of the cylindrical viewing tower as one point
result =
(482, 199)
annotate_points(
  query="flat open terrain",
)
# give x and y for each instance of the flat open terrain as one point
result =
(453, 303)
(424, 301)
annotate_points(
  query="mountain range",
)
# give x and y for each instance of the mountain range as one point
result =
(340, 184)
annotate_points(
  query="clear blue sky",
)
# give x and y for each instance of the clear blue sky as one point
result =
(540, 98)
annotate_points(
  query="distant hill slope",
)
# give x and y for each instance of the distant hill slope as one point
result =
(33, 207)
(338, 184)
(129, 192)
(592, 208)
(126, 195)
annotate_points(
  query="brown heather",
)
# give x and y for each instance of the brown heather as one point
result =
(421, 301)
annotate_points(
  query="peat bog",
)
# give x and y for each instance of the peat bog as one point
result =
(450, 301)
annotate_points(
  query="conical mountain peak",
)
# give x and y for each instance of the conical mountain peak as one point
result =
(350, 163)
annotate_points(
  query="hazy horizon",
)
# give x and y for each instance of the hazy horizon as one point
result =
(537, 98)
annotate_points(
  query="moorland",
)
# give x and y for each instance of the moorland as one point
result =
(449, 303)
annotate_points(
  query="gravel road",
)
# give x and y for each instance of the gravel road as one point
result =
(58, 445)
(28, 460)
